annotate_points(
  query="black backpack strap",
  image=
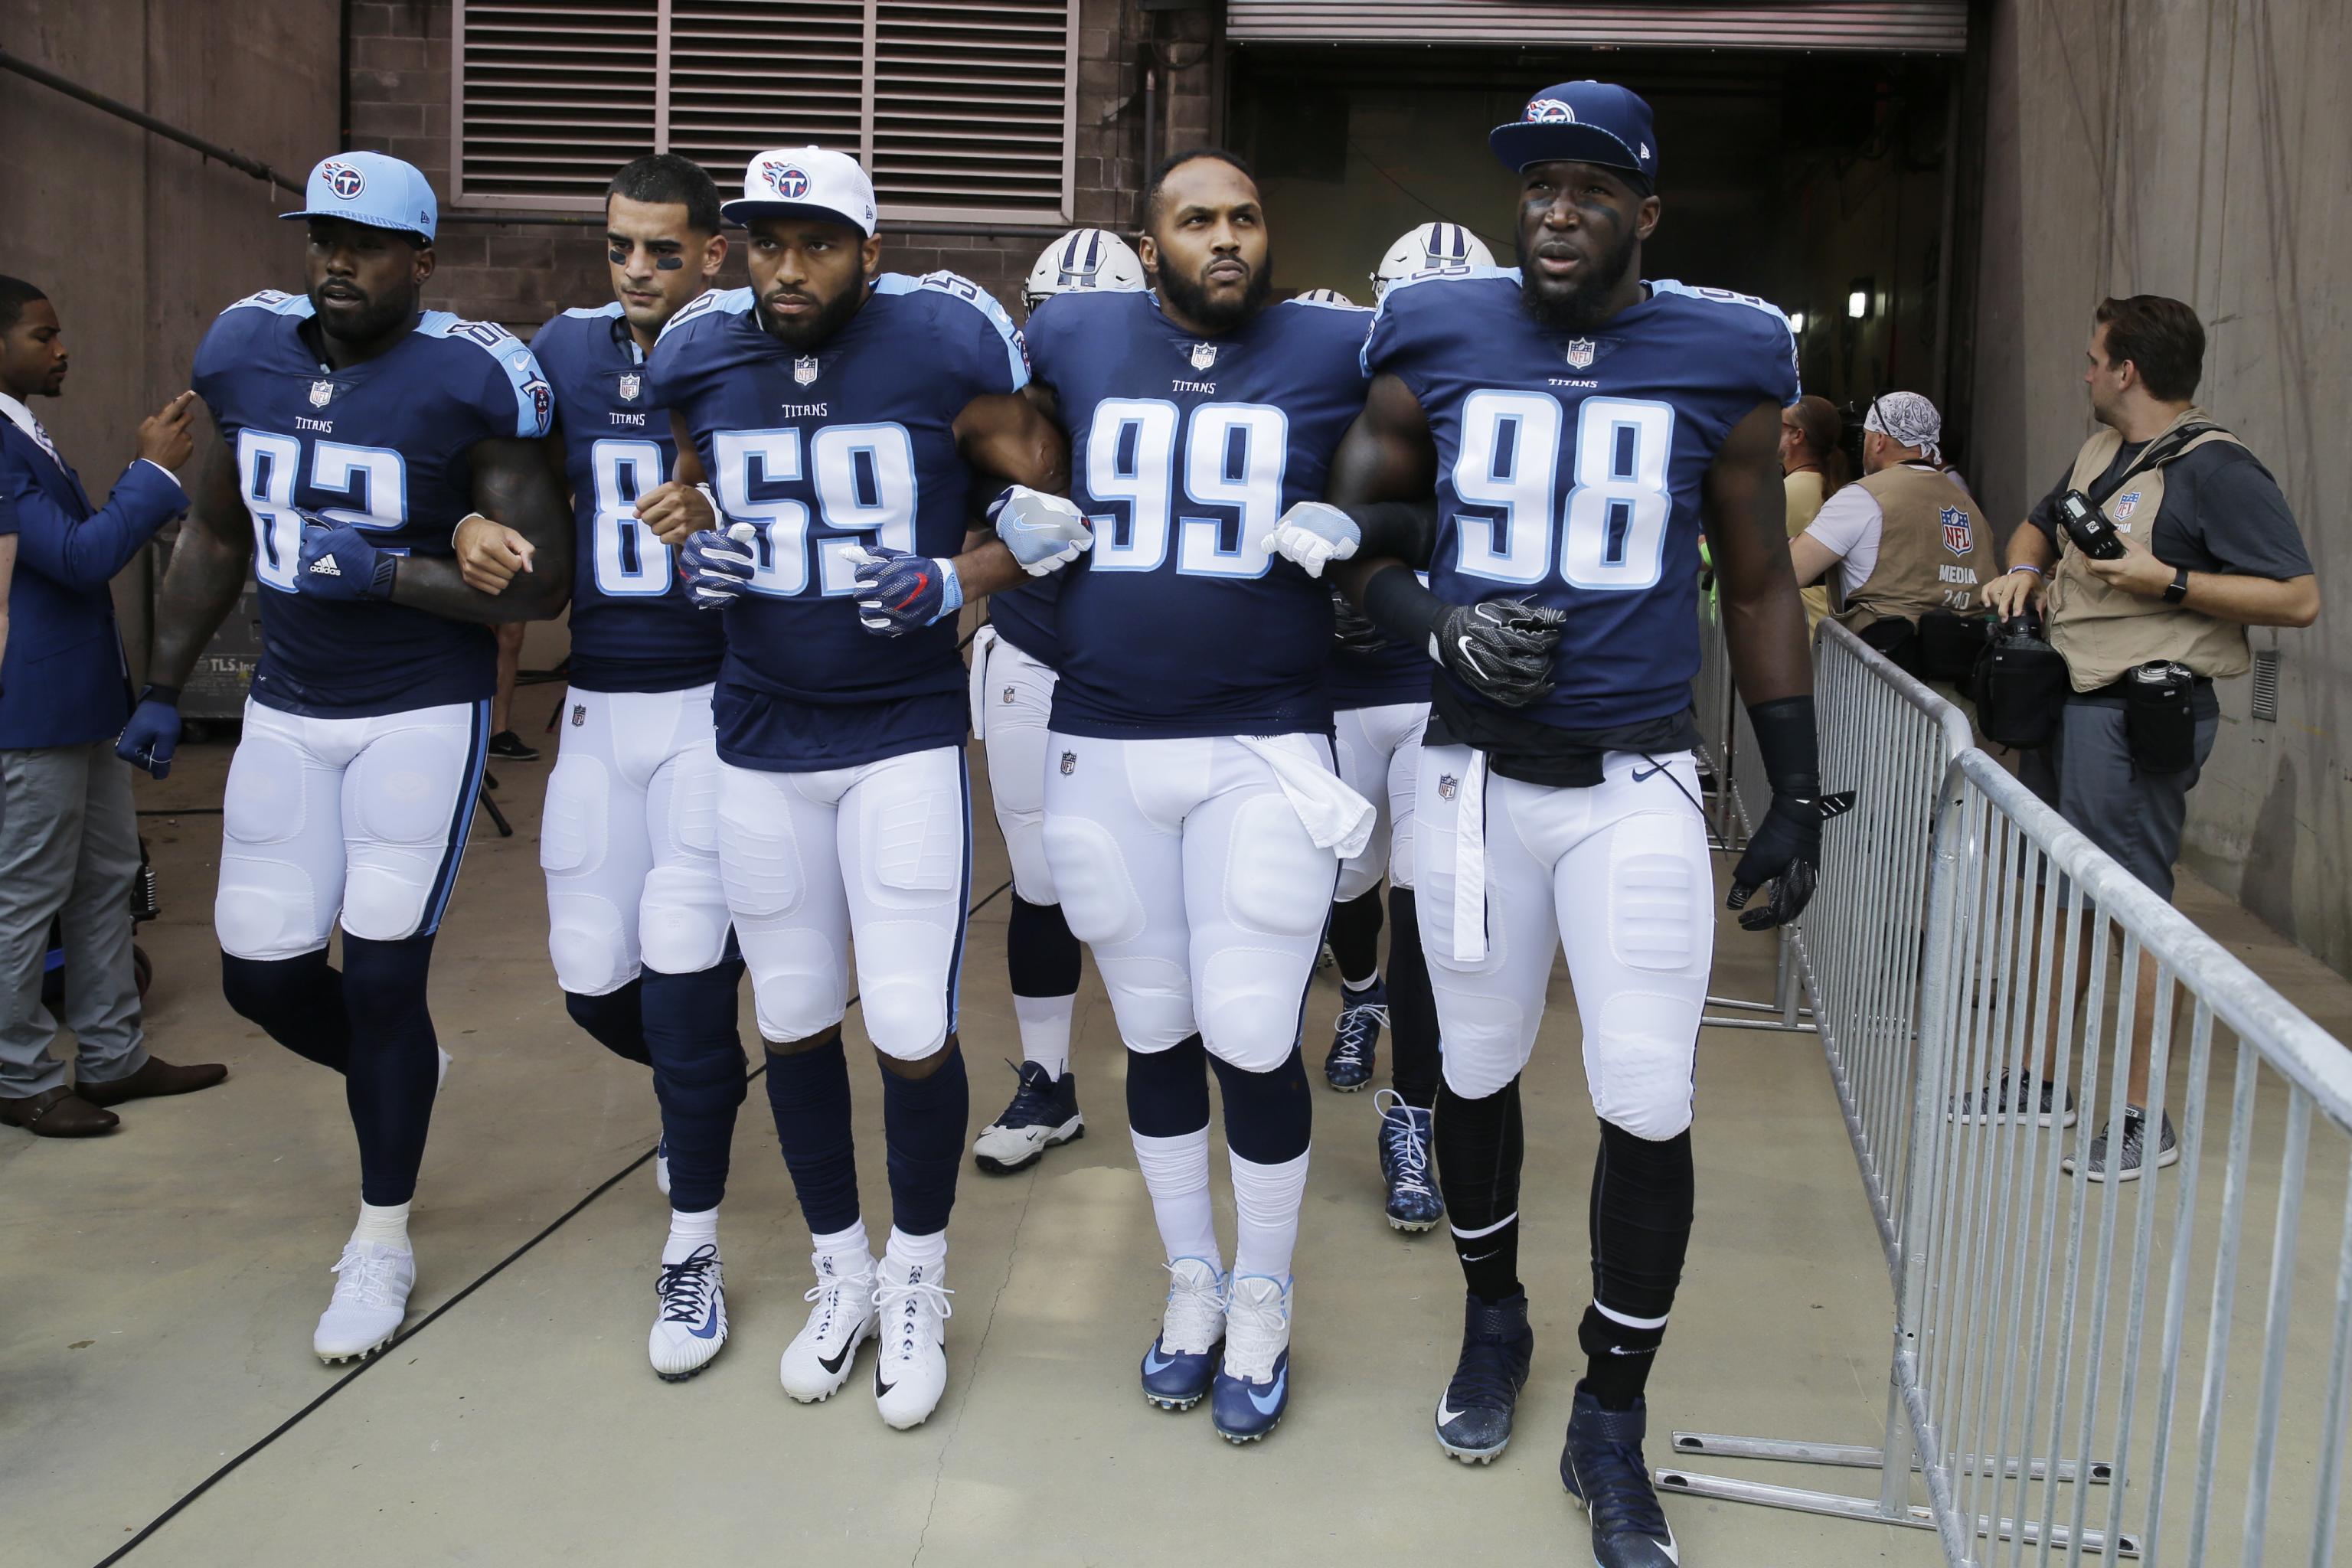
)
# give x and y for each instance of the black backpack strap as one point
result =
(2155, 455)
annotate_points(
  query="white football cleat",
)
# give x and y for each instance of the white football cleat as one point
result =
(692, 1327)
(372, 1285)
(911, 1368)
(661, 1166)
(817, 1363)
(440, 1068)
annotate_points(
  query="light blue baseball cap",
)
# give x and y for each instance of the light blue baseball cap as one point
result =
(373, 189)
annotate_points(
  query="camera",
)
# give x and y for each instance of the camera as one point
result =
(2092, 534)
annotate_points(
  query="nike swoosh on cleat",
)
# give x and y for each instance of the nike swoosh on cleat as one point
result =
(1152, 1365)
(1271, 1400)
(709, 1323)
(881, 1389)
(833, 1366)
(1447, 1416)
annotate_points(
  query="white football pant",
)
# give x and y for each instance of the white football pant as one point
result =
(1012, 701)
(1379, 757)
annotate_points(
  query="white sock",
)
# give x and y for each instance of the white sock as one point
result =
(1046, 1030)
(850, 1240)
(1266, 1198)
(928, 1253)
(1366, 983)
(1176, 1175)
(687, 1232)
(386, 1224)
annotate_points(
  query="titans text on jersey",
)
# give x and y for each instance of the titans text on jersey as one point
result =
(822, 453)
(381, 445)
(1183, 451)
(633, 626)
(1568, 467)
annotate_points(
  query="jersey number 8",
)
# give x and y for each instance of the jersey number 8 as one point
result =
(864, 477)
(630, 560)
(1613, 533)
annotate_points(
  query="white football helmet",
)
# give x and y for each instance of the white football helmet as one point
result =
(1082, 259)
(1325, 297)
(1434, 248)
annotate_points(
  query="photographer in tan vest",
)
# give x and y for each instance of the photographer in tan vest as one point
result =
(1906, 537)
(2200, 545)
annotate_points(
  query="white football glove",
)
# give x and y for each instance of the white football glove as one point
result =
(1314, 533)
(1045, 533)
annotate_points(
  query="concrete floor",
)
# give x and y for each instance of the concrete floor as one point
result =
(156, 1307)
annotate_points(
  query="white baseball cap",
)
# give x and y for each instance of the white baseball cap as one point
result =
(805, 181)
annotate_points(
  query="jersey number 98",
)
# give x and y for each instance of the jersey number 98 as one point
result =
(1613, 525)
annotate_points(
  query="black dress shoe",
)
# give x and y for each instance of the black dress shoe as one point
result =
(57, 1113)
(156, 1076)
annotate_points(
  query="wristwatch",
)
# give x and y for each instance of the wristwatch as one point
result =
(2179, 588)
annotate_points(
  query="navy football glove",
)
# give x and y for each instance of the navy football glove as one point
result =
(154, 732)
(899, 591)
(718, 564)
(339, 563)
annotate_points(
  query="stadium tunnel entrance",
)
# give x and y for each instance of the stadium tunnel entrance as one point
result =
(1829, 183)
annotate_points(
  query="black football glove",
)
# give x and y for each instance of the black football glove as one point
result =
(1785, 852)
(1501, 648)
(1351, 630)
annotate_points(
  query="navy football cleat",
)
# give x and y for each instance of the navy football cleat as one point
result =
(1356, 1038)
(1253, 1383)
(1180, 1363)
(1405, 1132)
(1603, 1468)
(1473, 1415)
(1043, 1112)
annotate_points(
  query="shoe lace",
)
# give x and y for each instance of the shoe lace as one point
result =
(1356, 1028)
(1032, 1102)
(829, 1285)
(1400, 1139)
(365, 1278)
(1257, 1320)
(1617, 1489)
(908, 1301)
(1482, 1378)
(685, 1286)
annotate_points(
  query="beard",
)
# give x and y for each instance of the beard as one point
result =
(810, 331)
(1192, 299)
(371, 317)
(1577, 307)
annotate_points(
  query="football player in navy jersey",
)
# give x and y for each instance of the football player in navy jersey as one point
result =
(1013, 661)
(1577, 428)
(637, 920)
(354, 432)
(849, 425)
(1193, 823)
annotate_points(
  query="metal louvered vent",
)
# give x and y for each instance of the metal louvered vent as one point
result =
(2266, 665)
(959, 108)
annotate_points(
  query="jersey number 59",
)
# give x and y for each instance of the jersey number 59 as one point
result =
(864, 480)
(1611, 533)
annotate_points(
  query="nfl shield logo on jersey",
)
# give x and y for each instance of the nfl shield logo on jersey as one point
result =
(2124, 506)
(1446, 785)
(1069, 763)
(1957, 535)
(805, 368)
(579, 714)
(1580, 354)
(1008, 694)
(628, 387)
(1203, 356)
(321, 393)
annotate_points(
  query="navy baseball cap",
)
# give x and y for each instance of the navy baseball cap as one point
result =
(373, 189)
(1584, 122)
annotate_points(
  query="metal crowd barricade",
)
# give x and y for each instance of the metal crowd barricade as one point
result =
(2046, 1381)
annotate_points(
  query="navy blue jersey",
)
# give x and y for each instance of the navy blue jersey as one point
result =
(1568, 467)
(822, 453)
(1029, 618)
(382, 445)
(1184, 452)
(632, 627)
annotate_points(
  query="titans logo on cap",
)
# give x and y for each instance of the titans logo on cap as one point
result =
(786, 180)
(1548, 111)
(342, 179)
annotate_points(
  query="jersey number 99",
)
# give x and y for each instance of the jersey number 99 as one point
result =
(1235, 454)
(864, 478)
(1613, 525)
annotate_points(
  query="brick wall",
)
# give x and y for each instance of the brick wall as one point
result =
(522, 273)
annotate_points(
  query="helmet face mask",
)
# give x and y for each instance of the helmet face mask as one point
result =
(1433, 250)
(1083, 258)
